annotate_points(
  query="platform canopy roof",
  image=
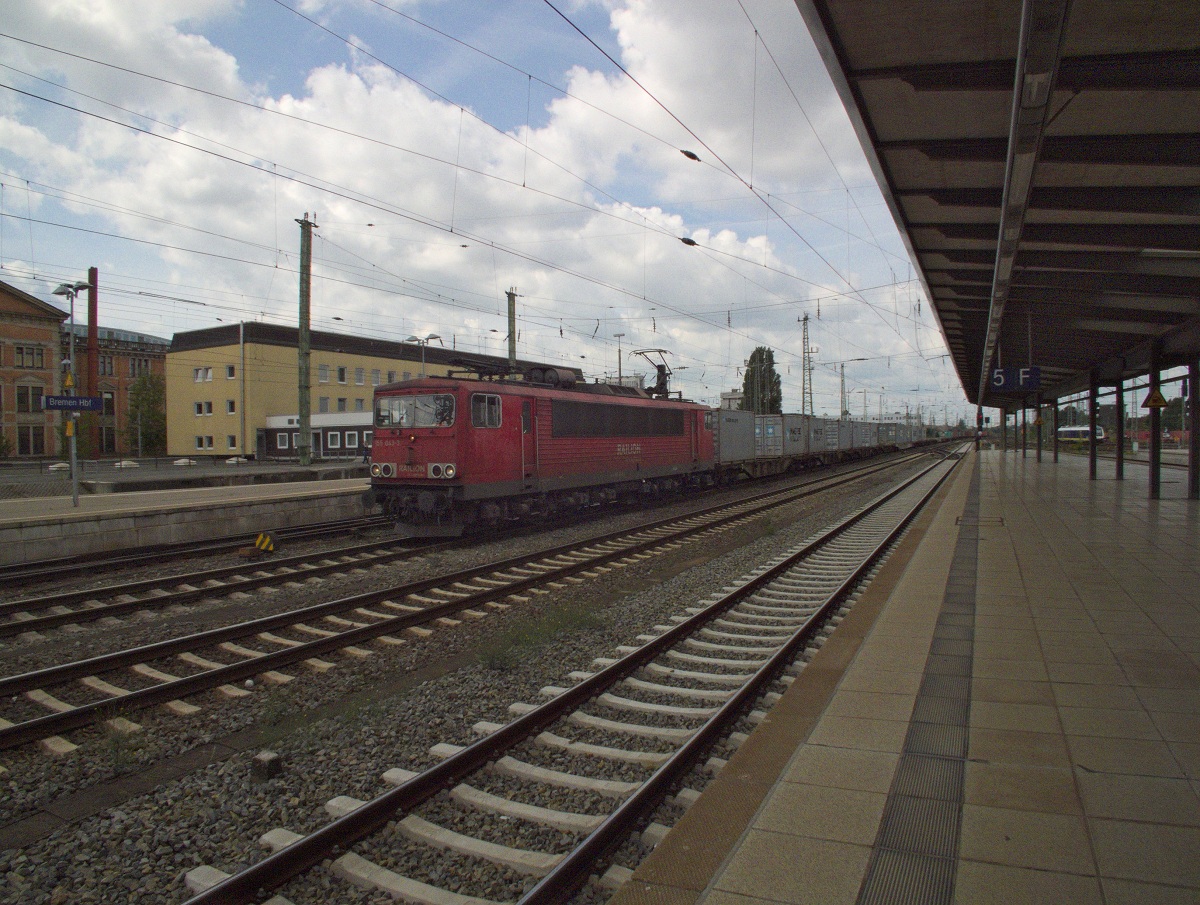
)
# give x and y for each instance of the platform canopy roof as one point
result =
(1042, 160)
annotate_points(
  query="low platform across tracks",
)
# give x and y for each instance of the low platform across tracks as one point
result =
(50, 527)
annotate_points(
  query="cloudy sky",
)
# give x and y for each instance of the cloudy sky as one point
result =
(451, 149)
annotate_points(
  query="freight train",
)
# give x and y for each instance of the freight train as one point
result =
(450, 454)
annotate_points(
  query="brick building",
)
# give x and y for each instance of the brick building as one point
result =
(30, 370)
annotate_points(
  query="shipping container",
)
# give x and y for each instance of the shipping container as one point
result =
(734, 435)
(768, 436)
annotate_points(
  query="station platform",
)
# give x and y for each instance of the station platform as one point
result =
(1010, 714)
(35, 528)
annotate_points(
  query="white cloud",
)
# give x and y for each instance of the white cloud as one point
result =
(606, 259)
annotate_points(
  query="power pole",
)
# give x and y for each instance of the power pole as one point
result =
(304, 344)
(512, 330)
(93, 357)
(845, 406)
(806, 368)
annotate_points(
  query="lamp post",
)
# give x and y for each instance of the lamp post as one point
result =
(70, 290)
(619, 375)
(423, 342)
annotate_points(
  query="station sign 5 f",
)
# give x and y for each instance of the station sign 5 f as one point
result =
(1013, 380)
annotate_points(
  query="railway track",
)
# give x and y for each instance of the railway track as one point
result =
(111, 687)
(16, 574)
(657, 709)
(51, 611)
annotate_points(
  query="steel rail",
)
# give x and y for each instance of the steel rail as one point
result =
(332, 839)
(301, 562)
(87, 714)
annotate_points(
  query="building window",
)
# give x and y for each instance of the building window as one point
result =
(230, 407)
(391, 377)
(334, 440)
(368, 437)
(358, 405)
(199, 408)
(208, 442)
(322, 373)
(200, 375)
(140, 366)
(29, 400)
(31, 440)
(295, 439)
(281, 440)
(341, 374)
(110, 403)
(231, 441)
(208, 407)
(230, 372)
(199, 442)
(360, 376)
(341, 404)
(408, 375)
(374, 377)
(108, 439)
(106, 366)
(351, 439)
(28, 357)
(323, 404)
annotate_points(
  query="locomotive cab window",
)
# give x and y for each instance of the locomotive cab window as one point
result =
(435, 410)
(485, 410)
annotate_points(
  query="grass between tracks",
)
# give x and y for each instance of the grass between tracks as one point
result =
(506, 650)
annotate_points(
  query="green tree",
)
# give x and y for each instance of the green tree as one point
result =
(762, 390)
(147, 416)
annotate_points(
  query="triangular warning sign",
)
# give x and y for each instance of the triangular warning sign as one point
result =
(1155, 401)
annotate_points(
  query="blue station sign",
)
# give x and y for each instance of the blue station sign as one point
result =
(74, 403)
(1016, 380)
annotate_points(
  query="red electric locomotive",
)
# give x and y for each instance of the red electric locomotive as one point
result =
(450, 453)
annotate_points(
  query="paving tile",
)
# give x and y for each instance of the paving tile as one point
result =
(1086, 673)
(1026, 717)
(1107, 722)
(1141, 757)
(839, 815)
(994, 884)
(883, 680)
(1170, 700)
(1150, 853)
(1177, 727)
(1037, 749)
(720, 897)
(1155, 799)
(1010, 691)
(853, 732)
(1021, 787)
(1115, 697)
(843, 768)
(1018, 670)
(797, 870)
(1188, 757)
(871, 705)
(1053, 842)
(1128, 892)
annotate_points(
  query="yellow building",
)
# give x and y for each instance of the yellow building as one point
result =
(224, 383)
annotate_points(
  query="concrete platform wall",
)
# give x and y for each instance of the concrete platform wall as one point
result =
(49, 537)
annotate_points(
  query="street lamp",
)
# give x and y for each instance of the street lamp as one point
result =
(423, 342)
(618, 337)
(70, 290)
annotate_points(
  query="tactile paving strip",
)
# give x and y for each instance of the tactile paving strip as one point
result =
(916, 848)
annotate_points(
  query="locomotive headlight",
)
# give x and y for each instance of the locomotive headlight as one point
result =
(450, 471)
(435, 471)
(374, 469)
